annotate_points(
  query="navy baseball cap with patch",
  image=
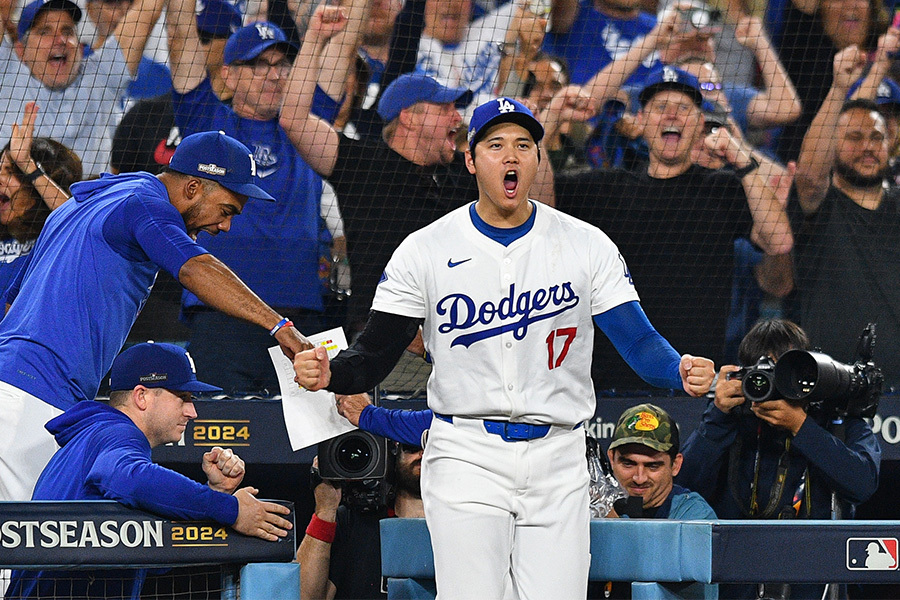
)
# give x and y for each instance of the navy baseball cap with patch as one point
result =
(250, 41)
(31, 12)
(215, 156)
(156, 366)
(671, 78)
(412, 88)
(218, 18)
(502, 110)
(888, 91)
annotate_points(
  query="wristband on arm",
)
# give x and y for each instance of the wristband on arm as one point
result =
(285, 322)
(321, 530)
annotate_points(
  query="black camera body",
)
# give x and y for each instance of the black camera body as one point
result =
(817, 381)
(361, 462)
(757, 381)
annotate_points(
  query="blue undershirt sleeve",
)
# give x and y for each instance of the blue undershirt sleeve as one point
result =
(404, 426)
(642, 347)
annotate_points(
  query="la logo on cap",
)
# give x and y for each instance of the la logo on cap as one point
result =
(265, 32)
(883, 90)
(506, 106)
(669, 74)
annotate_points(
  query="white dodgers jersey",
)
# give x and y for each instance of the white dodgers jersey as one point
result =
(509, 328)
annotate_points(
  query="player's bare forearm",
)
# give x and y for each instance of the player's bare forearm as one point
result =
(217, 286)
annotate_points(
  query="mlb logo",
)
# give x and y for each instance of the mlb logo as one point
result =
(872, 554)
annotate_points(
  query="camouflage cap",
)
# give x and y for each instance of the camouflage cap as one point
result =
(647, 425)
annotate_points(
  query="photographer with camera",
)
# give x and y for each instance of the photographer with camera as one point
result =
(340, 555)
(777, 458)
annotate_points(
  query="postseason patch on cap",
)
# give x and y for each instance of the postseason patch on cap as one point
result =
(212, 169)
(153, 377)
(643, 421)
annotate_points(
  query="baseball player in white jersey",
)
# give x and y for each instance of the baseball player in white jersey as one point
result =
(506, 290)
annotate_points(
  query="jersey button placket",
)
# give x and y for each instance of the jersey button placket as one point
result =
(509, 355)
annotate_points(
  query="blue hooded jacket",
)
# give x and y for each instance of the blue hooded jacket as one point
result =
(104, 456)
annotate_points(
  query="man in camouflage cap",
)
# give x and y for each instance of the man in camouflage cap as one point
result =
(645, 459)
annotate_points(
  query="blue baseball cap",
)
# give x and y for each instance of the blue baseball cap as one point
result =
(218, 18)
(671, 78)
(156, 366)
(502, 110)
(215, 156)
(412, 88)
(250, 41)
(31, 12)
(888, 91)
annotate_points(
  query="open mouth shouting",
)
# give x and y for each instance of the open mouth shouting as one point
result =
(511, 183)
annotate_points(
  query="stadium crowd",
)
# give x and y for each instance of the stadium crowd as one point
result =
(742, 158)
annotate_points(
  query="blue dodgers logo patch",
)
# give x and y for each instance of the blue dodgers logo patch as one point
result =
(530, 307)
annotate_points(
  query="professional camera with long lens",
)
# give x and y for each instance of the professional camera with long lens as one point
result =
(839, 389)
(359, 460)
(816, 380)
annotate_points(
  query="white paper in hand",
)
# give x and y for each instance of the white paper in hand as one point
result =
(310, 417)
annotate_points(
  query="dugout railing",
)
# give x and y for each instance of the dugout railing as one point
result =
(187, 559)
(659, 553)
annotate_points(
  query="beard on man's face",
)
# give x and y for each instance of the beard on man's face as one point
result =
(857, 179)
(407, 479)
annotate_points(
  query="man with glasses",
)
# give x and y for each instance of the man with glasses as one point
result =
(676, 222)
(77, 94)
(277, 248)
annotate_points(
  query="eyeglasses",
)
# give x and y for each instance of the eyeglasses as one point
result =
(710, 86)
(260, 67)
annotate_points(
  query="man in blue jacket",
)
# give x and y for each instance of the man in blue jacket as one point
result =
(105, 455)
(776, 459)
(90, 273)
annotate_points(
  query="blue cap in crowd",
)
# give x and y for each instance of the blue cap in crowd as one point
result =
(250, 41)
(670, 78)
(888, 91)
(413, 88)
(502, 110)
(156, 366)
(215, 156)
(31, 12)
(218, 18)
